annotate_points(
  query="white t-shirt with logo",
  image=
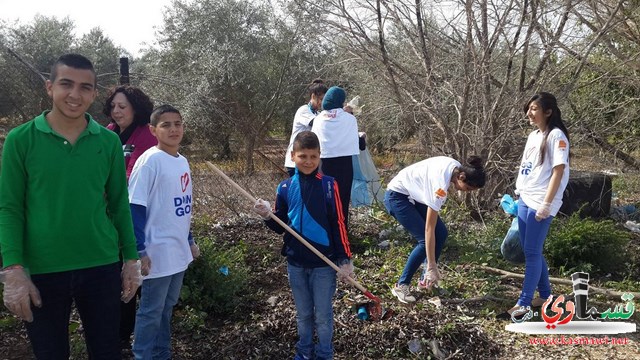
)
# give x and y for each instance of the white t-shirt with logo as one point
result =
(301, 122)
(337, 131)
(162, 183)
(426, 181)
(533, 178)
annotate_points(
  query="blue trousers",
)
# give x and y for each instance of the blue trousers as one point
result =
(96, 293)
(152, 333)
(532, 236)
(313, 290)
(414, 218)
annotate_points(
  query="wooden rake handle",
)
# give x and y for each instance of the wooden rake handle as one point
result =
(294, 233)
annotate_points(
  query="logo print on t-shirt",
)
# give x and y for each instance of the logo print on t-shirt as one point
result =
(526, 167)
(529, 152)
(440, 193)
(562, 145)
(184, 181)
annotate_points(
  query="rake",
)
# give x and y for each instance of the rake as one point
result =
(375, 309)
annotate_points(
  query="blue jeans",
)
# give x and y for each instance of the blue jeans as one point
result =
(414, 218)
(313, 290)
(532, 236)
(152, 334)
(96, 293)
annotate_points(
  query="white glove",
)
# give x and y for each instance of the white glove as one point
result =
(131, 278)
(195, 250)
(433, 276)
(19, 292)
(543, 211)
(346, 269)
(262, 208)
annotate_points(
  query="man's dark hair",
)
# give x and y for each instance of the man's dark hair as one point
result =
(162, 109)
(317, 88)
(306, 140)
(75, 61)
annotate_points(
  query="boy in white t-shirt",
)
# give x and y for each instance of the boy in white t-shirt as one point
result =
(303, 120)
(160, 194)
(542, 178)
(414, 197)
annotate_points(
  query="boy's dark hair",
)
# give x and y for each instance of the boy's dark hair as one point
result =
(75, 61)
(306, 140)
(473, 170)
(162, 109)
(317, 88)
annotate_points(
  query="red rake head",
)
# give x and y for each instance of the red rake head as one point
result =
(375, 309)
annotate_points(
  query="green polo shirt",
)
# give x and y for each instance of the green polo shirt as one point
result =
(63, 207)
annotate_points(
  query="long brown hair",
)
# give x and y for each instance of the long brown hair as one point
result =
(548, 102)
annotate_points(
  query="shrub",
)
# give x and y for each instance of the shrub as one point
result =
(206, 286)
(589, 245)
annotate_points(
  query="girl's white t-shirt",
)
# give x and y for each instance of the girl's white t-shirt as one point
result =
(337, 131)
(162, 183)
(301, 122)
(426, 181)
(533, 178)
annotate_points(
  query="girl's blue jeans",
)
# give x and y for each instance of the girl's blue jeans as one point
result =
(414, 218)
(532, 236)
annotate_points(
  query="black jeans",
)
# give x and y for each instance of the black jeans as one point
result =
(341, 169)
(96, 293)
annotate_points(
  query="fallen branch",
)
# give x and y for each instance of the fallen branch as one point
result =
(594, 289)
(473, 299)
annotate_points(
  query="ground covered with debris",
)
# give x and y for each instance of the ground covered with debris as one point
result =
(456, 321)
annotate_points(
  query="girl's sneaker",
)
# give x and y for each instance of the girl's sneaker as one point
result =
(403, 293)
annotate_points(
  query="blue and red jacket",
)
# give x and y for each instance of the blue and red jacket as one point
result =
(310, 204)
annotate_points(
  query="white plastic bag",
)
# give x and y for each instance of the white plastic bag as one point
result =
(366, 187)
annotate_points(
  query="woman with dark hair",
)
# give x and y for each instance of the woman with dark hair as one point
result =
(542, 178)
(303, 119)
(414, 197)
(129, 109)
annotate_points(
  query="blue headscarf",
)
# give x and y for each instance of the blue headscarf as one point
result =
(334, 98)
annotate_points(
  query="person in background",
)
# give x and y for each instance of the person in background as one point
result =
(65, 221)
(542, 178)
(414, 197)
(337, 131)
(309, 204)
(161, 193)
(303, 120)
(129, 110)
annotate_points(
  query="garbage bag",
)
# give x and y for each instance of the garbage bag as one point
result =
(509, 205)
(511, 248)
(366, 187)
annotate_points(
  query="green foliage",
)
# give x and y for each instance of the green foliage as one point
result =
(27, 52)
(576, 244)
(207, 289)
(626, 186)
(190, 320)
(471, 242)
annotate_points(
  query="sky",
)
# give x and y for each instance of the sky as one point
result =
(128, 23)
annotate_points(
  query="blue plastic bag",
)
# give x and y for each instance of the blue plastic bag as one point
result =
(511, 248)
(366, 187)
(509, 205)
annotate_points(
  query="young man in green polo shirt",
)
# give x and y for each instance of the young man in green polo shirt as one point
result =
(65, 219)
